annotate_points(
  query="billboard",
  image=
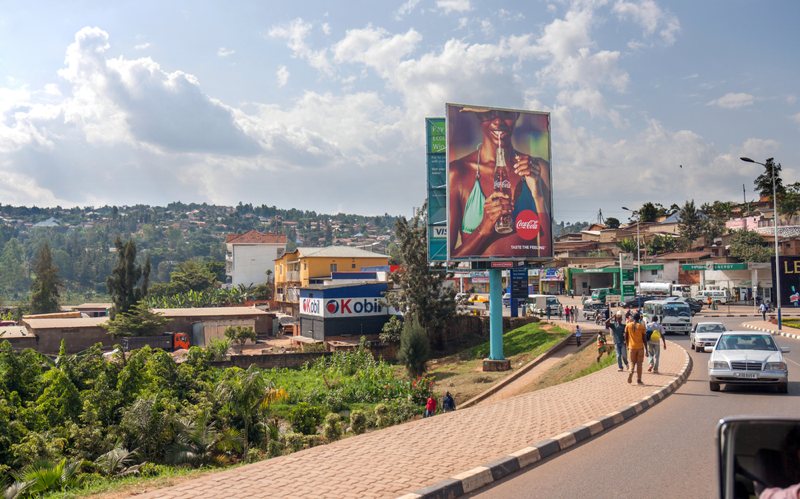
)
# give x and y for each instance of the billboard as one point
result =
(437, 189)
(499, 189)
(343, 307)
(790, 280)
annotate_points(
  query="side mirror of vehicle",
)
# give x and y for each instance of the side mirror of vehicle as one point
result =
(785, 349)
(708, 349)
(755, 454)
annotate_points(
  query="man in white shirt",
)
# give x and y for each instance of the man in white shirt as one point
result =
(655, 337)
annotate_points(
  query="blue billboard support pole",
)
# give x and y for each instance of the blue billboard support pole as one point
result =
(495, 315)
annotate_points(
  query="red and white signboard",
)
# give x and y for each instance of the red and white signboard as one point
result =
(342, 307)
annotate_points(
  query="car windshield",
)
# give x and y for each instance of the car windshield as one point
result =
(677, 310)
(710, 328)
(746, 342)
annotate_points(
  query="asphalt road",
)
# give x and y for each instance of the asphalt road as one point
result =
(667, 451)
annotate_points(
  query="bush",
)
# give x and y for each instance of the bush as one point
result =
(391, 331)
(305, 418)
(382, 416)
(218, 349)
(358, 422)
(293, 441)
(415, 349)
(332, 428)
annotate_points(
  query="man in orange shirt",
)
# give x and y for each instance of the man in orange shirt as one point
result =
(635, 340)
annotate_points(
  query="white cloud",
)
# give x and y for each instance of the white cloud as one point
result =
(295, 34)
(448, 6)
(375, 47)
(733, 101)
(486, 27)
(406, 8)
(791, 99)
(142, 46)
(507, 15)
(225, 52)
(796, 118)
(650, 17)
(282, 75)
(326, 28)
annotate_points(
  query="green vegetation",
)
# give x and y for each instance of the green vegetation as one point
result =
(415, 350)
(530, 338)
(795, 323)
(82, 421)
(606, 361)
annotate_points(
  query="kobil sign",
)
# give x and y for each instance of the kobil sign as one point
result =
(342, 307)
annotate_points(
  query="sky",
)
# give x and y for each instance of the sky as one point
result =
(320, 105)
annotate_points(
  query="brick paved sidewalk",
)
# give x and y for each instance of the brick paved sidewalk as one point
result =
(407, 457)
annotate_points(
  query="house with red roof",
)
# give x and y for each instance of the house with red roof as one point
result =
(250, 255)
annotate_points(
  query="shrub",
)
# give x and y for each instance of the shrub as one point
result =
(332, 427)
(358, 422)
(293, 441)
(305, 418)
(382, 416)
(391, 331)
(218, 349)
(415, 348)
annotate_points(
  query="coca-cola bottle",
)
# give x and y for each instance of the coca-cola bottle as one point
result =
(502, 184)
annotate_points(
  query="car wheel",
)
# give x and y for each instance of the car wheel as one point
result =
(783, 388)
(713, 386)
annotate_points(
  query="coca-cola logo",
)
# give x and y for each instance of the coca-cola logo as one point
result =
(527, 224)
(504, 184)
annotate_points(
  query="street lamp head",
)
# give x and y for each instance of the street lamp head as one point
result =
(747, 160)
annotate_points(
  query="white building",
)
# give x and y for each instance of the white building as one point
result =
(250, 255)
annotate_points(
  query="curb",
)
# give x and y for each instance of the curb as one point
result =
(523, 370)
(773, 332)
(534, 454)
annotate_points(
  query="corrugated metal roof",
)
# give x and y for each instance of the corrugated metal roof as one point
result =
(8, 332)
(207, 312)
(93, 305)
(338, 252)
(65, 323)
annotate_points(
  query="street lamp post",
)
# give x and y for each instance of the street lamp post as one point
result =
(775, 216)
(638, 250)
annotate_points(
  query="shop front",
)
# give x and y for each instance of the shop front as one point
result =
(343, 310)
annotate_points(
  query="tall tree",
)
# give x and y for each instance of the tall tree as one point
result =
(128, 281)
(749, 246)
(420, 290)
(44, 290)
(763, 182)
(14, 275)
(648, 212)
(612, 223)
(690, 224)
(716, 214)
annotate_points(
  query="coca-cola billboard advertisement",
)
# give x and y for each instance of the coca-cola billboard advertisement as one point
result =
(499, 188)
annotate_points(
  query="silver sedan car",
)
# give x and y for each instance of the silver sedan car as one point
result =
(747, 358)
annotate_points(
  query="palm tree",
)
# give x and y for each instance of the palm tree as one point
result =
(199, 442)
(244, 393)
(117, 462)
(44, 476)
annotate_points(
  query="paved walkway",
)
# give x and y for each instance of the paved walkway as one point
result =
(408, 457)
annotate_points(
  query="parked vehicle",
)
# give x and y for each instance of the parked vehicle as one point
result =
(590, 309)
(717, 295)
(705, 334)
(638, 301)
(167, 341)
(747, 358)
(539, 304)
(675, 315)
(599, 294)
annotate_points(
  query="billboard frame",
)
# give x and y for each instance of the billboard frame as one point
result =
(448, 160)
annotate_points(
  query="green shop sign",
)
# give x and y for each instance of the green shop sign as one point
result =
(694, 266)
(730, 266)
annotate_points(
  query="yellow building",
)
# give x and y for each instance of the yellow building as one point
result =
(305, 266)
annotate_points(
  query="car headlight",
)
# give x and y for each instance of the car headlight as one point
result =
(719, 364)
(775, 366)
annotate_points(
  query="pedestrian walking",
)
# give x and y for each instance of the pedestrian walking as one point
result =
(618, 335)
(655, 337)
(448, 403)
(763, 309)
(430, 407)
(578, 335)
(602, 346)
(635, 340)
(567, 311)
(560, 311)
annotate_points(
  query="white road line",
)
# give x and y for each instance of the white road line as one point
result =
(790, 360)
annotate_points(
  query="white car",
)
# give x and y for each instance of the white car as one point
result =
(705, 334)
(747, 358)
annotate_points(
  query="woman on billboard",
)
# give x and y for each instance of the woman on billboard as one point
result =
(499, 197)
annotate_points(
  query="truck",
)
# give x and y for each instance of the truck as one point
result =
(664, 289)
(675, 315)
(167, 341)
(539, 304)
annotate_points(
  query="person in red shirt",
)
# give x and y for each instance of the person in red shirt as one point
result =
(430, 407)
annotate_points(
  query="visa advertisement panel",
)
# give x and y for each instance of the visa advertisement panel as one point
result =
(499, 189)
(342, 307)
(437, 188)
